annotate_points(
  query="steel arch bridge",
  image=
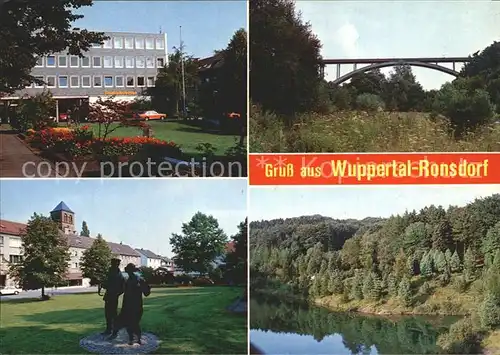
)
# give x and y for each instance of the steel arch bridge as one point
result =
(379, 63)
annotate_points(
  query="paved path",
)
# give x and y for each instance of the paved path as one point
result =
(14, 155)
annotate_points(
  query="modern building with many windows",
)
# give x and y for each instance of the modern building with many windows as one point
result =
(123, 66)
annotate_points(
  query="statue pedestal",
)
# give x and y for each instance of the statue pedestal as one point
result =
(99, 344)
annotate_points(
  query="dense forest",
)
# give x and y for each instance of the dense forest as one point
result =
(400, 260)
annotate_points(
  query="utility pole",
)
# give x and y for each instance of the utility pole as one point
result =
(182, 73)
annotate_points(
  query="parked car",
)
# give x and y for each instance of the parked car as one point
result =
(150, 115)
(9, 290)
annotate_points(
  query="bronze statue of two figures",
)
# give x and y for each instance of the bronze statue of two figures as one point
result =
(132, 288)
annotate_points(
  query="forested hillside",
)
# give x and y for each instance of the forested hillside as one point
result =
(432, 261)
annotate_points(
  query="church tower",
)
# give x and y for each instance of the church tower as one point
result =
(65, 217)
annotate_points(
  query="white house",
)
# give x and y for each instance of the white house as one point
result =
(149, 259)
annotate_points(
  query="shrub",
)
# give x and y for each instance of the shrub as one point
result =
(426, 288)
(462, 338)
(460, 284)
(466, 107)
(369, 102)
(489, 312)
(202, 281)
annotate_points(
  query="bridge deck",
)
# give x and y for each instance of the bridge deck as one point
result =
(385, 60)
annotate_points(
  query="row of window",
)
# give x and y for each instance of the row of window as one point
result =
(132, 43)
(99, 62)
(97, 81)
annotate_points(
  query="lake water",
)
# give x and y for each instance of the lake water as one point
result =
(281, 328)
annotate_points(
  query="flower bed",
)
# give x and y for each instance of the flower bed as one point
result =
(80, 144)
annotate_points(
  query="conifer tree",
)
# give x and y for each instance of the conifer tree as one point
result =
(469, 265)
(392, 285)
(447, 255)
(405, 292)
(440, 261)
(455, 263)
(489, 312)
(426, 265)
(357, 287)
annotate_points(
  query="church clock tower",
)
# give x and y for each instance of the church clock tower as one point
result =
(65, 217)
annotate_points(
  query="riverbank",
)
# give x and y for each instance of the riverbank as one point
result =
(443, 301)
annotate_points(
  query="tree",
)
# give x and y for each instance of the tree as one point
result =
(405, 292)
(35, 112)
(96, 260)
(201, 241)
(46, 255)
(426, 265)
(85, 230)
(233, 75)
(455, 264)
(357, 287)
(285, 67)
(31, 29)
(166, 96)
(112, 115)
(236, 260)
(491, 243)
(469, 265)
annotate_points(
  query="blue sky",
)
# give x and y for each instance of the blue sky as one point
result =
(206, 25)
(380, 29)
(357, 201)
(140, 212)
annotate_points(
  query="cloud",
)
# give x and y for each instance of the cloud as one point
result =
(347, 38)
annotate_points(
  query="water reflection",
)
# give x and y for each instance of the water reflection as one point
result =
(281, 328)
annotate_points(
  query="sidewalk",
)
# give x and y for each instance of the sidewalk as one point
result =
(14, 154)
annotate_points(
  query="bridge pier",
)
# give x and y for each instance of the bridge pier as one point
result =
(338, 71)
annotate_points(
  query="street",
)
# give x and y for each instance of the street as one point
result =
(50, 292)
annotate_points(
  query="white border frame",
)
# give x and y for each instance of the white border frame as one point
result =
(70, 81)
(104, 61)
(137, 81)
(59, 61)
(59, 81)
(77, 61)
(93, 81)
(112, 81)
(56, 82)
(116, 81)
(95, 66)
(90, 81)
(126, 81)
(86, 66)
(47, 61)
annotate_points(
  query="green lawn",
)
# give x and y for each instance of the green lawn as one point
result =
(186, 320)
(187, 136)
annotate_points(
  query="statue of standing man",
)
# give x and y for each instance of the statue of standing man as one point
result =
(114, 285)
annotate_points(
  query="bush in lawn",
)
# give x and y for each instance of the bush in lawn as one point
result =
(183, 279)
(202, 281)
(35, 112)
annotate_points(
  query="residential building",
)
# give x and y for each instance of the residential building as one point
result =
(11, 247)
(124, 66)
(149, 259)
(167, 263)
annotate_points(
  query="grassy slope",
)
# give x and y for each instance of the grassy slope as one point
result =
(187, 136)
(188, 320)
(441, 301)
(365, 132)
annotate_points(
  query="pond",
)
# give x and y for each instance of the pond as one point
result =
(283, 328)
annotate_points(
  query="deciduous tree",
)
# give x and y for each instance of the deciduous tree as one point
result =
(31, 29)
(201, 241)
(96, 261)
(45, 258)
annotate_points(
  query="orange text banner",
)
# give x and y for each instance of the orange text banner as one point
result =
(381, 169)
